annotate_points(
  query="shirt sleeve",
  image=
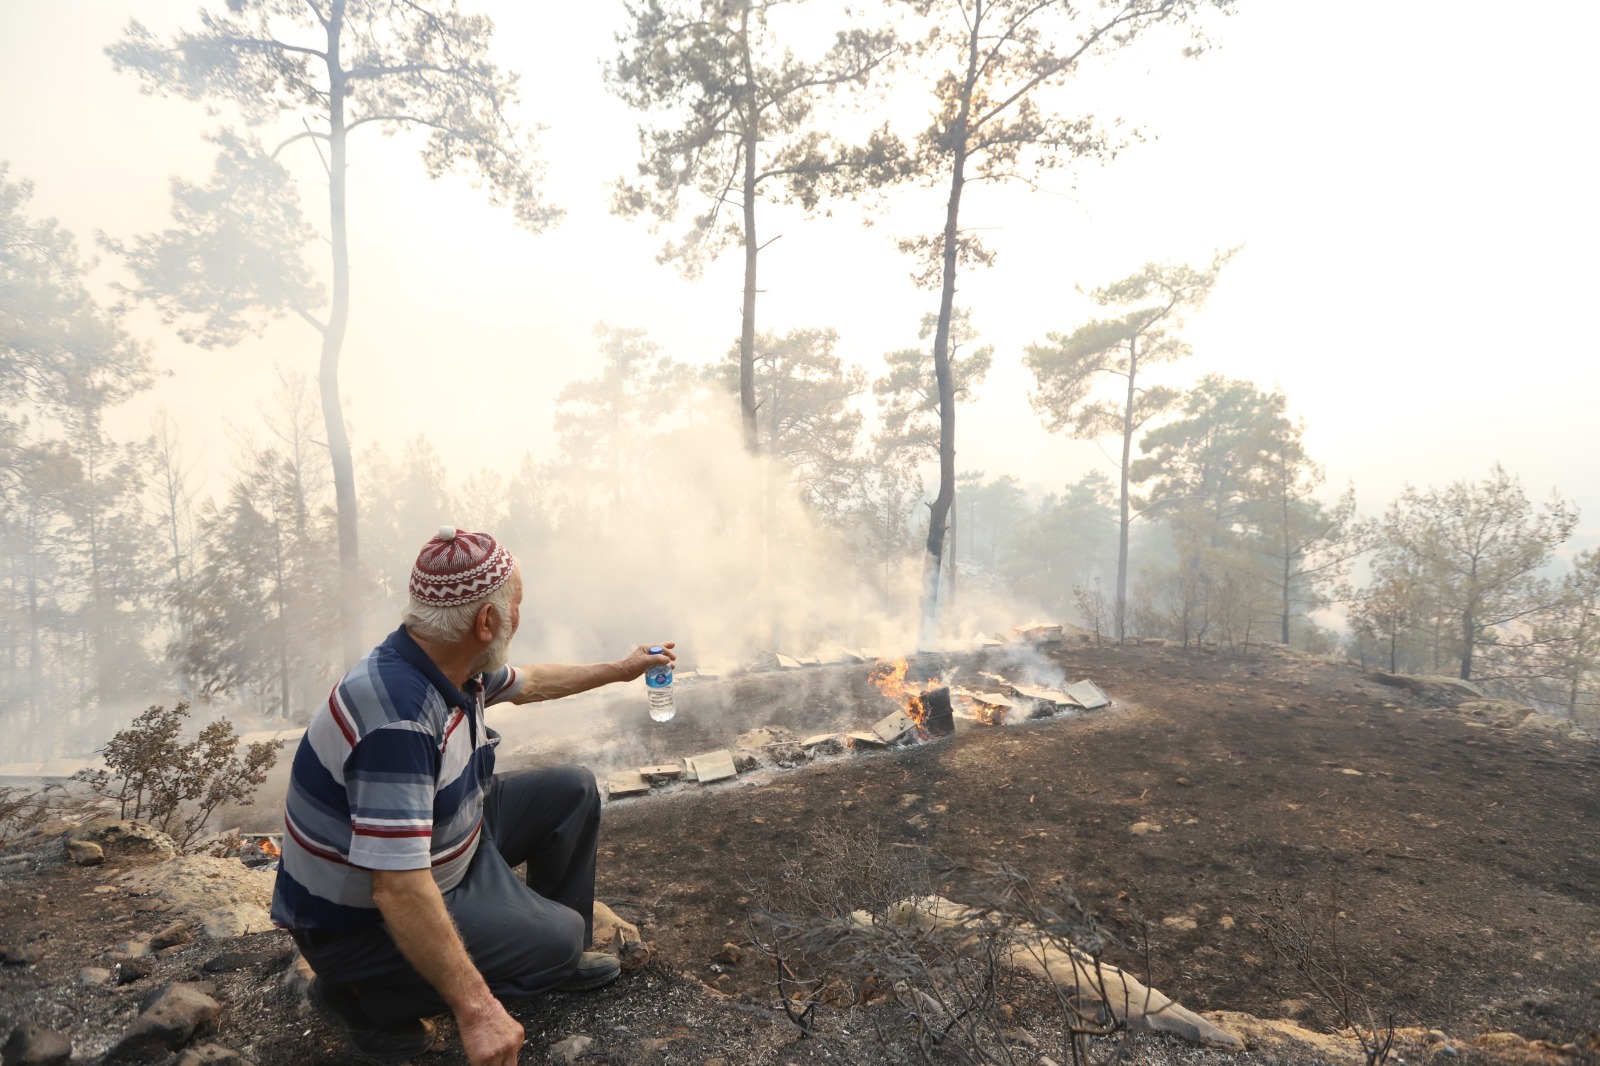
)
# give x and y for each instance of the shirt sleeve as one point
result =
(391, 778)
(502, 685)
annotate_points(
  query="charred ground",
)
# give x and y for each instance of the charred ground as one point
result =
(1465, 860)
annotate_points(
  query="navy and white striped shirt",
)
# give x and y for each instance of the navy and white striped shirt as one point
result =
(389, 776)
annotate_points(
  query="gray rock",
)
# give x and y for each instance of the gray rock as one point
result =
(19, 954)
(170, 936)
(570, 1050)
(211, 1055)
(34, 1045)
(127, 971)
(125, 836)
(94, 976)
(167, 1021)
(85, 852)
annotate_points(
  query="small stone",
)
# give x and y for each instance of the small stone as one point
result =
(170, 936)
(1226, 921)
(1139, 829)
(94, 976)
(137, 948)
(168, 1020)
(128, 971)
(1182, 923)
(570, 1050)
(104, 890)
(19, 954)
(34, 1045)
(730, 954)
(86, 852)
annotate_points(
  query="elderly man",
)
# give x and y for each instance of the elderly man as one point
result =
(396, 879)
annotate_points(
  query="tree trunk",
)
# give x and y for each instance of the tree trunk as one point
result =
(950, 593)
(1287, 574)
(939, 509)
(1466, 645)
(747, 316)
(1124, 519)
(344, 475)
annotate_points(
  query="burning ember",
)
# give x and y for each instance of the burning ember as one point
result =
(267, 845)
(926, 705)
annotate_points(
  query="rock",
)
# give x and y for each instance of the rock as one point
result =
(1495, 710)
(169, 1018)
(1071, 970)
(125, 837)
(34, 1045)
(94, 976)
(570, 1050)
(221, 897)
(1182, 923)
(619, 936)
(211, 1055)
(729, 955)
(233, 961)
(1538, 722)
(130, 970)
(85, 852)
(1139, 829)
(19, 954)
(137, 948)
(170, 936)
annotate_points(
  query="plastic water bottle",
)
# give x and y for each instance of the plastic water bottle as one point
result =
(658, 686)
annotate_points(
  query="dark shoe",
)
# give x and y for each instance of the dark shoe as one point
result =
(595, 970)
(372, 1040)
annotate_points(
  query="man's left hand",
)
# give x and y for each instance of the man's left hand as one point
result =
(645, 656)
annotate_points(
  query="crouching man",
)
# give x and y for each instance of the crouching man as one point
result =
(400, 839)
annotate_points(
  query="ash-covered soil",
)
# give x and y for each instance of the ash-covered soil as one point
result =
(1465, 861)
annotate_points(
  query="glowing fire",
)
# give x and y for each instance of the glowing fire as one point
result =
(891, 681)
(268, 847)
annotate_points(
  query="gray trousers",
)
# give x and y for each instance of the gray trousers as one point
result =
(524, 938)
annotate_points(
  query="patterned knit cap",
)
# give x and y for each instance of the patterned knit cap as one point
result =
(456, 567)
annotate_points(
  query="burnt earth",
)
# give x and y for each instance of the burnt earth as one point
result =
(1465, 860)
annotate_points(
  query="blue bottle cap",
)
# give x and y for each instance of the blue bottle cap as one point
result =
(657, 650)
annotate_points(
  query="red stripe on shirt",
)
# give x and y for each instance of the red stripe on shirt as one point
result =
(339, 719)
(316, 850)
(390, 831)
(456, 852)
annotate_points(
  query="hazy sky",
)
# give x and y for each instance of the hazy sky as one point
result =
(1413, 184)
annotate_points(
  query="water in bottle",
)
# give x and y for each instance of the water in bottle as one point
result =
(658, 686)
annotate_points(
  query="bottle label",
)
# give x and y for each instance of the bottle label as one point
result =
(658, 676)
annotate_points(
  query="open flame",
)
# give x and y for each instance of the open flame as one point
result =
(890, 680)
(269, 847)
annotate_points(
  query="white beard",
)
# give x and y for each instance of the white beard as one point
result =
(494, 656)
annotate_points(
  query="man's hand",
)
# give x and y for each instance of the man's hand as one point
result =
(490, 1036)
(645, 656)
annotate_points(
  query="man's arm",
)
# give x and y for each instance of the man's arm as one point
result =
(420, 924)
(551, 681)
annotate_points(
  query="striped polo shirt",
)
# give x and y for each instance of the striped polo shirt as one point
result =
(389, 776)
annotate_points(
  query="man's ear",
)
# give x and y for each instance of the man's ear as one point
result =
(482, 626)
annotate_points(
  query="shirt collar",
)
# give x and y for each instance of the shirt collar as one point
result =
(405, 646)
